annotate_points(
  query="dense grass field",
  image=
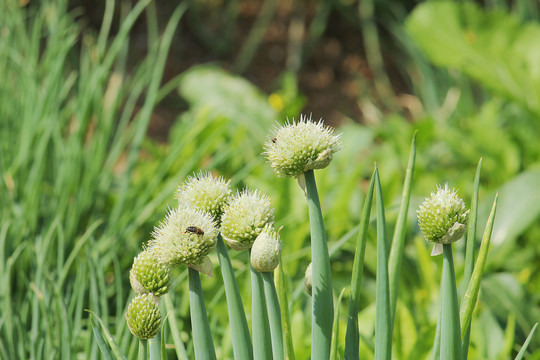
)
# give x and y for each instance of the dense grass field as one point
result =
(82, 185)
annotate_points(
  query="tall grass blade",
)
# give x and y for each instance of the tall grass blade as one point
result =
(241, 339)
(285, 314)
(398, 240)
(106, 343)
(352, 337)
(521, 352)
(334, 350)
(383, 318)
(450, 329)
(469, 253)
(323, 303)
(262, 343)
(471, 295)
(202, 337)
(436, 351)
(274, 315)
(174, 325)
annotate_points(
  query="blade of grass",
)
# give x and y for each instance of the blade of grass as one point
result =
(398, 241)
(450, 329)
(334, 355)
(469, 253)
(285, 314)
(526, 343)
(175, 326)
(436, 352)
(323, 303)
(352, 337)
(274, 315)
(262, 343)
(202, 337)
(110, 348)
(241, 339)
(383, 320)
(471, 295)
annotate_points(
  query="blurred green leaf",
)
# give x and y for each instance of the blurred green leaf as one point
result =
(492, 47)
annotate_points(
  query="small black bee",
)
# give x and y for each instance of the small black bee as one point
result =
(194, 230)
(273, 140)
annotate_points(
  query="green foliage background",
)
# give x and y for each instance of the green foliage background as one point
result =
(81, 186)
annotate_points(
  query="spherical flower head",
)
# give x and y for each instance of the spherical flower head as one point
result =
(186, 236)
(308, 282)
(207, 193)
(443, 217)
(148, 275)
(244, 218)
(143, 317)
(266, 250)
(301, 146)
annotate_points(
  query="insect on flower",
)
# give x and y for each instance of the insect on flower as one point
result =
(194, 230)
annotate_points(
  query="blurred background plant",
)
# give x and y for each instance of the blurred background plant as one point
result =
(104, 110)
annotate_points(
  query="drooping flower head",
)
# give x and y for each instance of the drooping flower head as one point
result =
(143, 317)
(205, 192)
(443, 216)
(301, 146)
(245, 217)
(148, 275)
(266, 250)
(186, 236)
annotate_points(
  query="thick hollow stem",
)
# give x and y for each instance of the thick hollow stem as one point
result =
(274, 315)
(262, 343)
(202, 337)
(241, 339)
(450, 329)
(323, 303)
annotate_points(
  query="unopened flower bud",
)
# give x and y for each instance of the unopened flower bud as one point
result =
(266, 250)
(207, 193)
(148, 275)
(244, 218)
(301, 146)
(308, 283)
(143, 317)
(443, 217)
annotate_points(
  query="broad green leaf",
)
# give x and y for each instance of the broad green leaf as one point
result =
(492, 47)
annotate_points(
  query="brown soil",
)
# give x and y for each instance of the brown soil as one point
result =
(334, 78)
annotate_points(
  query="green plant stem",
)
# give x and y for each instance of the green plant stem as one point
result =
(323, 302)
(398, 241)
(241, 339)
(285, 314)
(143, 349)
(450, 329)
(521, 353)
(471, 295)
(334, 353)
(383, 318)
(274, 314)
(202, 337)
(262, 344)
(352, 337)
(469, 253)
(436, 352)
(154, 347)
